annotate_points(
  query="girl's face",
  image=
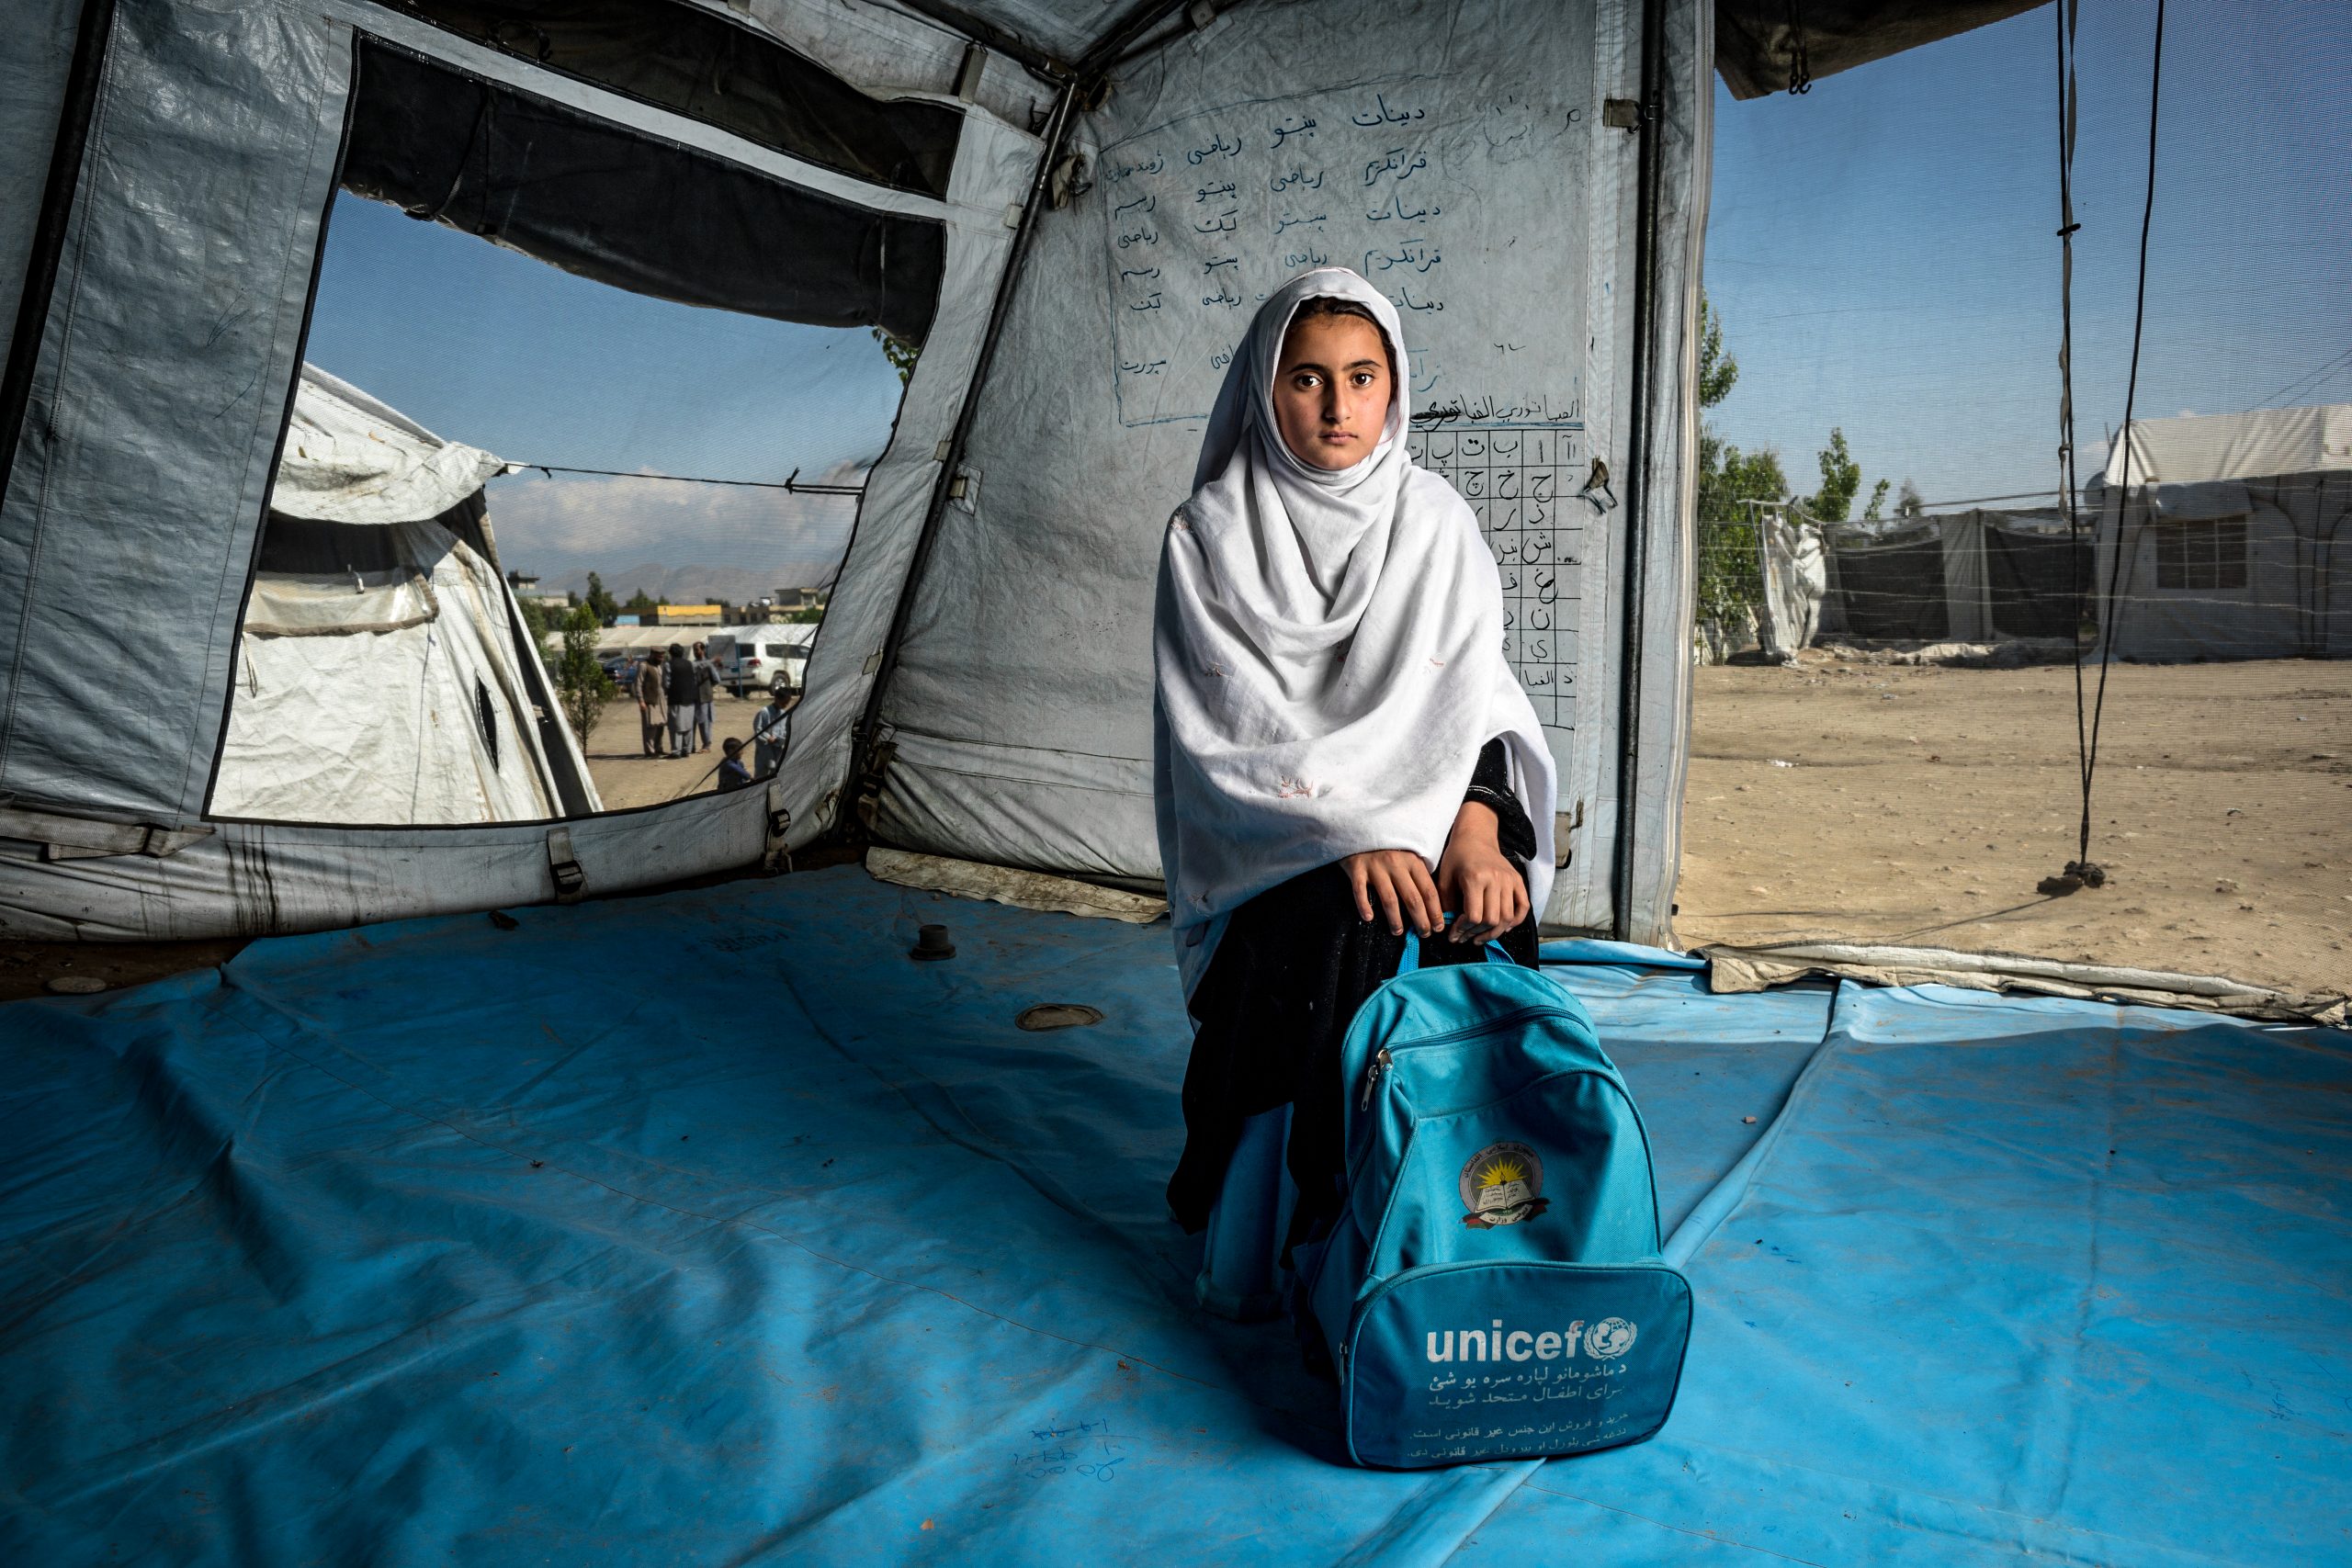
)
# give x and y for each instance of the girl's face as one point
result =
(1332, 391)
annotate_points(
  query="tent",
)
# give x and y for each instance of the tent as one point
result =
(1013, 184)
(384, 674)
(706, 1226)
(1969, 577)
(2217, 534)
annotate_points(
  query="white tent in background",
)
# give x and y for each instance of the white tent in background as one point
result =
(2228, 525)
(383, 676)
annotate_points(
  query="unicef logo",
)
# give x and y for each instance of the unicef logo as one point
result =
(1609, 1338)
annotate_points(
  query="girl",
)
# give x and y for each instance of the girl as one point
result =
(1341, 751)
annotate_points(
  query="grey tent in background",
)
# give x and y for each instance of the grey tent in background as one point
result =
(1967, 576)
(1071, 207)
(2227, 527)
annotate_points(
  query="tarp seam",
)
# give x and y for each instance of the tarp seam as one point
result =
(1707, 1215)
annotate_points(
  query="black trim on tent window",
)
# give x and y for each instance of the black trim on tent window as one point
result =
(622, 207)
(690, 62)
(47, 249)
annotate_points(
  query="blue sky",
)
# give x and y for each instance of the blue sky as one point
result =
(1883, 250)
(490, 348)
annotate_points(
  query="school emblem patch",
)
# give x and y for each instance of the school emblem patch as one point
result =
(1502, 1185)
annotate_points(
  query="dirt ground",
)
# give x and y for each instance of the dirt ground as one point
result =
(625, 776)
(1922, 805)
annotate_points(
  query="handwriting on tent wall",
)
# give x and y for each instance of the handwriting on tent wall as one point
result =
(1209, 214)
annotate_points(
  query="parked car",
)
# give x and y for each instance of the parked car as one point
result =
(767, 659)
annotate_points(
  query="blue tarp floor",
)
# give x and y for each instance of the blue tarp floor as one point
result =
(707, 1228)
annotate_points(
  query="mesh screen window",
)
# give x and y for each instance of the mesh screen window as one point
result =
(1918, 628)
(2200, 555)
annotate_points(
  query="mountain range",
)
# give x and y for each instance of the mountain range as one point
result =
(693, 585)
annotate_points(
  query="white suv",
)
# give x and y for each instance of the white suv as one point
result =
(762, 658)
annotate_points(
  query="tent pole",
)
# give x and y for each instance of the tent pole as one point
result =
(1638, 447)
(49, 235)
(861, 738)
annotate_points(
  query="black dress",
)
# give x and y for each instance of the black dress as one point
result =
(1295, 964)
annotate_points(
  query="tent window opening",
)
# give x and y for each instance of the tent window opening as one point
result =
(486, 717)
(2201, 555)
(559, 377)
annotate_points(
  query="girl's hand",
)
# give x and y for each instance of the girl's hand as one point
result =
(1481, 886)
(1400, 883)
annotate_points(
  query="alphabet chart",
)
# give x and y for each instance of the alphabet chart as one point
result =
(1526, 484)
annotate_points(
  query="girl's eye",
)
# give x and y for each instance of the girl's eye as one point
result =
(1364, 378)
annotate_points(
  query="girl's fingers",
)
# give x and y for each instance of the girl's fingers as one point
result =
(1387, 889)
(1425, 894)
(1356, 884)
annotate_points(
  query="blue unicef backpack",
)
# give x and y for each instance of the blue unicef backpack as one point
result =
(1492, 1287)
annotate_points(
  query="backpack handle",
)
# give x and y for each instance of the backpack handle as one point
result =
(1496, 954)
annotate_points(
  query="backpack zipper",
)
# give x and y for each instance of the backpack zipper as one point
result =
(1381, 1060)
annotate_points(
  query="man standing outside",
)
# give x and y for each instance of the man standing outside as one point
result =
(706, 704)
(652, 703)
(768, 734)
(682, 682)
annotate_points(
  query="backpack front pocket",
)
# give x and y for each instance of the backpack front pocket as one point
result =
(1465, 1361)
(1554, 1170)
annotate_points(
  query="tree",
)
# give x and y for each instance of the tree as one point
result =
(1730, 577)
(605, 606)
(580, 683)
(901, 354)
(1718, 372)
(1841, 477)
(535, 621)
(1910, 504)
(1877, 508)
(642, 606)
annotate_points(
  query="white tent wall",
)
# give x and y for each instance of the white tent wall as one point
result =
(1019, 705)
(2280, 612)
(171, 344)
(362, 706)
(2282, 476)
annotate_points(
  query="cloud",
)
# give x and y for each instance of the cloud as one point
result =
(566, 524)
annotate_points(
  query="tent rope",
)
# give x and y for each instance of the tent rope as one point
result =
(791, 481)
(2082, 871)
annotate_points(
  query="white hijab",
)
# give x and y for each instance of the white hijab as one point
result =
(1329, 647)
